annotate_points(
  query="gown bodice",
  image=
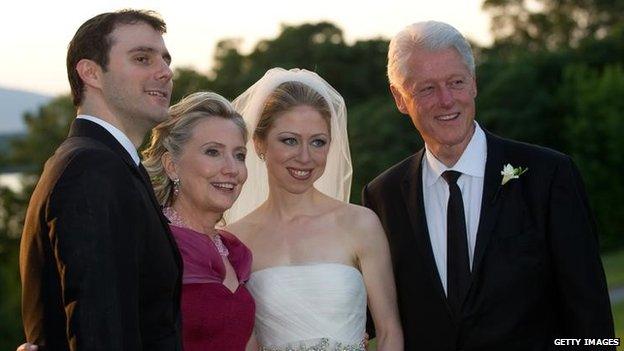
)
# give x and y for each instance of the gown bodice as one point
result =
(319, 306)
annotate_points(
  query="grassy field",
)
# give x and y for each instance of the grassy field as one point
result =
(618, 316)
(614, 269)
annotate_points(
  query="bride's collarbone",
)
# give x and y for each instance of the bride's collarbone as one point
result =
(303, 251)
(308, 226)
(307, 262)
(304, 238)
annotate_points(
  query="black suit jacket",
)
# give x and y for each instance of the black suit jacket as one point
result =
(536, 274)
(99, 267)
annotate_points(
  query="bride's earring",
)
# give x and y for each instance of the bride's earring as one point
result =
(261, 156)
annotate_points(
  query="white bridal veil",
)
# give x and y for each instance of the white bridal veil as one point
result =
(335, 181)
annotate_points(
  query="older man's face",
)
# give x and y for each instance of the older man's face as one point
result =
(438, 94)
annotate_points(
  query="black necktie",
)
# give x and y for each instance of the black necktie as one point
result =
(457, 261)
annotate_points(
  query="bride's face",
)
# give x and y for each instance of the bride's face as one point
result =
(295, 149)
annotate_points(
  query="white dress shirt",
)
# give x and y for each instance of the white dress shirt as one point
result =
(117, 134)
(436, 193)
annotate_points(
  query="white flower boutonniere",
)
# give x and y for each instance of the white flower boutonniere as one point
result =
(509, 173)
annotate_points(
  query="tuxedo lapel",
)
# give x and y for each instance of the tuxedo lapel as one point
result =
(144, 176)
(147, 183)
(412, 191)
(491, 201)
(86, 128)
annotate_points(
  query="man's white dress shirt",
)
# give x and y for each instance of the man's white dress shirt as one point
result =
(117, 134)
(436, 193)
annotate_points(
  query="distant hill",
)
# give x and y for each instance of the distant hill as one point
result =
(13, 104)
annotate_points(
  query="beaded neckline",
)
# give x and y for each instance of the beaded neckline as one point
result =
(176, 220)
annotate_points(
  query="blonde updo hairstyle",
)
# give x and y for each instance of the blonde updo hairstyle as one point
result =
(285, 97)
(172, 134)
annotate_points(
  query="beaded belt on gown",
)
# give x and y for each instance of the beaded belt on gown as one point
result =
(323, 344)
(309, 307)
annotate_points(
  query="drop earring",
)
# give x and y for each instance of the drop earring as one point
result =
(176, 187)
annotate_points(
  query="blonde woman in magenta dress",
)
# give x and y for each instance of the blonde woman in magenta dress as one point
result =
(197, 164)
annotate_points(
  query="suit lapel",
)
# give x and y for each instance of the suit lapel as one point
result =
(148, 184)
(491, 201)
(412, 191)
(86, 128)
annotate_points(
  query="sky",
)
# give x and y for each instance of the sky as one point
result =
(35, 34)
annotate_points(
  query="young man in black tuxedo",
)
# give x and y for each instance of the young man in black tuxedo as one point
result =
(493, 242)
(99, 268)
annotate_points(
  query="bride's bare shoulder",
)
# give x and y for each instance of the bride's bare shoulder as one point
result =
(359, 217)
(245, 227)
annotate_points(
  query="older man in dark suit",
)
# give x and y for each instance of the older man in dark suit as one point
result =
(493, 243)
(100, 270)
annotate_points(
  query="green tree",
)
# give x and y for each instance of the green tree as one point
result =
(516, 97)
(188, 81)
(357, 71)
(552, 24)
(594, 129)
(12, 211)
(380, 136)
(46, 129)
(230, 69)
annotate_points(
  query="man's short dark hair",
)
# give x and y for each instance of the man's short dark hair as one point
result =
(92, 41)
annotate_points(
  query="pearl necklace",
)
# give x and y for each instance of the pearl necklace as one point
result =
(175, 219)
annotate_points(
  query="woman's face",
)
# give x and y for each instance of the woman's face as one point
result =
(211, 166)
(295, 149)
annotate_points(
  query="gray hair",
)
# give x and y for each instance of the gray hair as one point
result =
(172, 134)
(429, 35)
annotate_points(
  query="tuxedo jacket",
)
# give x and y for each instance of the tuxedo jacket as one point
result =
(536, 272)
(99, 267)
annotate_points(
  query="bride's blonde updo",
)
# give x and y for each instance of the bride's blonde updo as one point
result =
(172, 134)
(284, 98)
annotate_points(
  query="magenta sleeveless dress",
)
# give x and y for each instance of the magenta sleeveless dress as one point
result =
(213, 317)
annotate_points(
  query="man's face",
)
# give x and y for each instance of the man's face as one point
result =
(137, 83)
(438, 94)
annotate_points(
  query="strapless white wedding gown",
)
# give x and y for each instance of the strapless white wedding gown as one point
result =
(309, 307)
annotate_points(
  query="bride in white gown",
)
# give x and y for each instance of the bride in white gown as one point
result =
(317, 260)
